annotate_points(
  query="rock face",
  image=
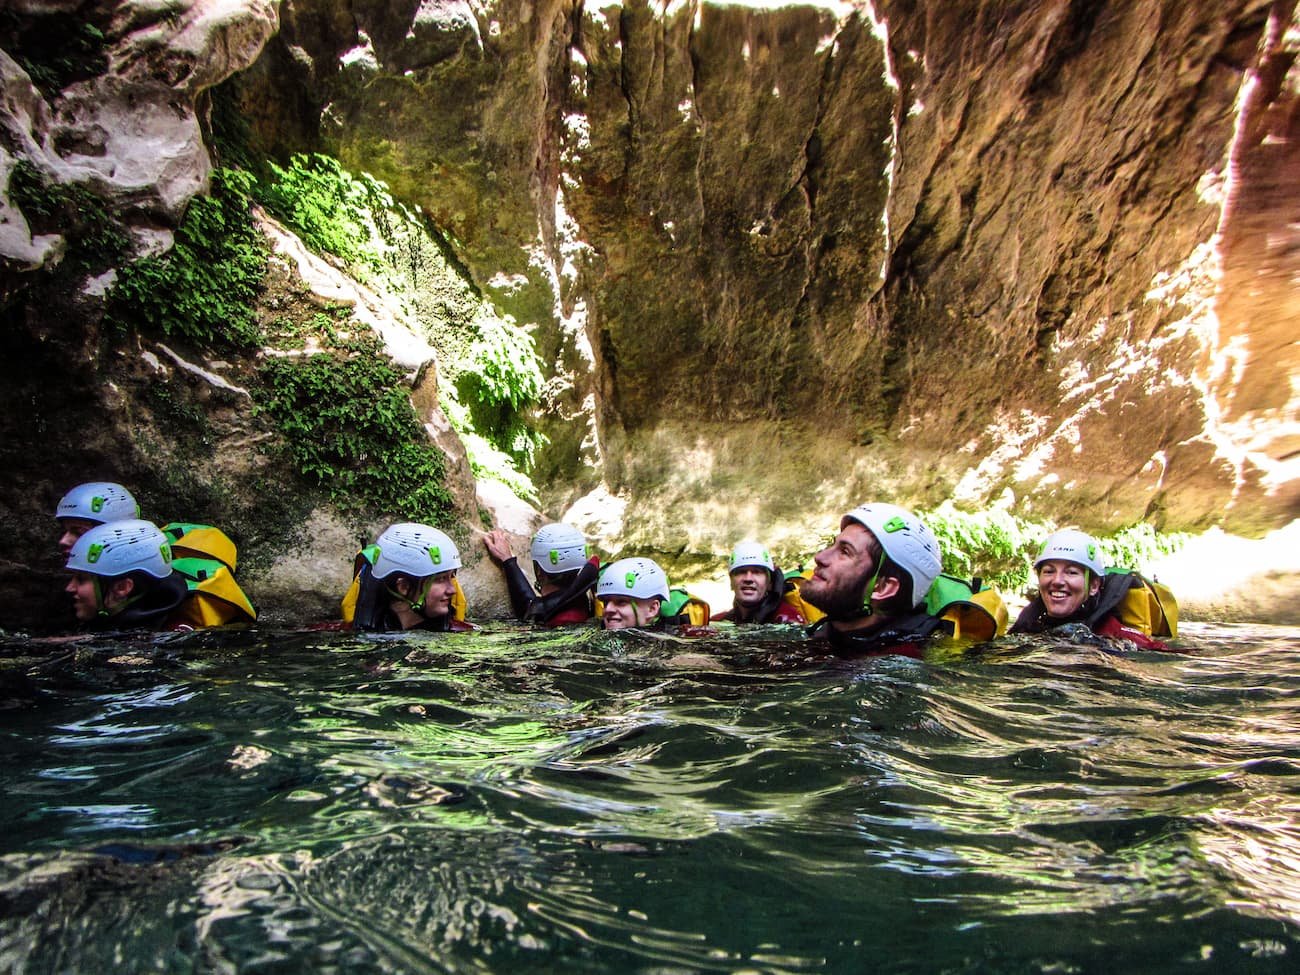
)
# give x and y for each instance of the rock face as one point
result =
(780, 260)
(121, 115)
(784, 259)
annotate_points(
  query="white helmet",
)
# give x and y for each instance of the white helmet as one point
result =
(750, 552)
(559, 548)
(637, 578)
(416, 550)
(119, 547)
(98, 501)
(1072, 545)
(904, 539)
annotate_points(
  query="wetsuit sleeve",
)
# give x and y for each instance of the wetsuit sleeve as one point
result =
(1113, 628)
(521, 593)
(571, 604)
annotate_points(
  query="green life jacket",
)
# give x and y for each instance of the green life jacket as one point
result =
(684, 609)
(976, 611)
(205, 557)
(215, 597)
(201, 542)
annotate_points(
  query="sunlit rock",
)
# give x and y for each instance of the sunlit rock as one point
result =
(882, 226)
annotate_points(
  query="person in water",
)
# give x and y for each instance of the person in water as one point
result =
(871, 583)
(405, 581)
(1074, 587)
(758, 587)
(633, 592)
(565, 575)
(122, 578)
(90, 504)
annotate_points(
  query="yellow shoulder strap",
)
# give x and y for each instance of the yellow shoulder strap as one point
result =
(348, 607)
(795, 597)
(697, 611)
(459, 604)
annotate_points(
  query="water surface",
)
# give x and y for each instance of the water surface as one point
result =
(524, 801)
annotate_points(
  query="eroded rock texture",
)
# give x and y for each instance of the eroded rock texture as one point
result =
(783, 259)
(114, 108)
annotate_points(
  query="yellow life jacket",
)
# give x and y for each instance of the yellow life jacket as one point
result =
(794, 596)
(975, 611)
(348, 608)
(684, 609)
(1141, 603)
(215, 597)
(190, 541)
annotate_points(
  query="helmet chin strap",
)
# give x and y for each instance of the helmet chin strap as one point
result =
(103, 610)
(415, 605)
(636, 615)
(867, 608)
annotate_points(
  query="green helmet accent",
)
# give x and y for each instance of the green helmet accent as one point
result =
(559, 548)
(748, 553)
(415, 550)
(905, 539)
(1073, 545)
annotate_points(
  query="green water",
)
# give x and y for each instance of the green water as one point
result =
(518, 801)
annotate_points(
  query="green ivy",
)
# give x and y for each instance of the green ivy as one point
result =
(1135, 546)
(992, 544)
(203, 288)
(329, 208)
(501, 381)
(1001, 547)
(349, 428)
(489, 364)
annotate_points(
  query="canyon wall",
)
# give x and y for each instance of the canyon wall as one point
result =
(780, 259)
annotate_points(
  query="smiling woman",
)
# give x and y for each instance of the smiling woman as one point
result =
(1074, 586)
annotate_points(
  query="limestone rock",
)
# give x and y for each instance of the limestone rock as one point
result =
(941, 239)
(130, 132)
(783, 259)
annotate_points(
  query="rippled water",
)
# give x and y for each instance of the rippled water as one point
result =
(517, 801)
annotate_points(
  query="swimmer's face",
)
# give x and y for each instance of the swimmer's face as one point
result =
(70, 529)
(842, 572)
(750, 583)
(441, 589)
(1064, 586)
(81, 585)
(86, 601)
(623, 612)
